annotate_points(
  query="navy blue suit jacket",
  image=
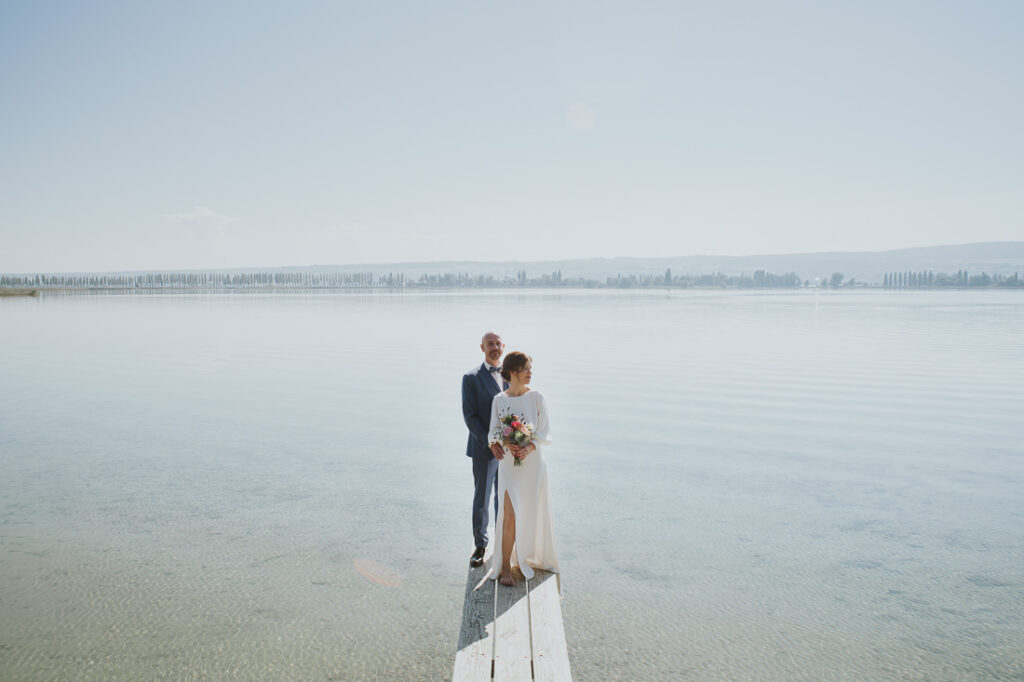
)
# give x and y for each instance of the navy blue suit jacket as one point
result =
(478, 390)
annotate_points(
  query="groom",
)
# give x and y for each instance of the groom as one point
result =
(478, 389)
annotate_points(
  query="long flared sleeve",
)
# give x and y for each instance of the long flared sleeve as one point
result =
(543, 433)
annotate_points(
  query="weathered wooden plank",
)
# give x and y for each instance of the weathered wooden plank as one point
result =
(512, 655)
(476, 636)
(550, 654)
(511, 633)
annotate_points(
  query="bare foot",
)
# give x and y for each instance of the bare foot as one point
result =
(507, 579)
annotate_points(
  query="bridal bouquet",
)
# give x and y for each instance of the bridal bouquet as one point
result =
(514, 430)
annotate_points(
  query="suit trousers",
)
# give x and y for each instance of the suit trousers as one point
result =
(485, 478)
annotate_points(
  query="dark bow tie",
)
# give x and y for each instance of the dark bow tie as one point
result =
(492, 369)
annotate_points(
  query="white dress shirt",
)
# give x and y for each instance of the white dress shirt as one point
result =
(496, 376)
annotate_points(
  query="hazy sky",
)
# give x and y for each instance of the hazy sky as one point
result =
(202, 134)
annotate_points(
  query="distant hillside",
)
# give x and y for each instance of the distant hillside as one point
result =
(1004, 258)
(994, 258)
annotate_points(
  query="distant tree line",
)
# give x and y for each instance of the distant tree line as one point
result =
(928, 279)
(759, 279)
(346, 280)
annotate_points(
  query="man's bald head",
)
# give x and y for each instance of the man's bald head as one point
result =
(493, 347)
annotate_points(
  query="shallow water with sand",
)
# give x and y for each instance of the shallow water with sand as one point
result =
(803, 485)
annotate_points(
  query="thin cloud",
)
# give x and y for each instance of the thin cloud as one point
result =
(201, 215)
(580, 118)
(346, 229)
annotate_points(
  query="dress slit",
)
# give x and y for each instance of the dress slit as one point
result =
(499, 532)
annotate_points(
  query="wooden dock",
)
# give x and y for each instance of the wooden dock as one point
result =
(511, 633)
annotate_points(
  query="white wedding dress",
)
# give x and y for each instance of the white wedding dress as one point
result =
(527, 487)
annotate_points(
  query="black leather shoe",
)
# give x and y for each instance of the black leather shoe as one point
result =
(477, 558)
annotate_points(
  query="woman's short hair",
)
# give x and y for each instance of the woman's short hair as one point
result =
(513, 363)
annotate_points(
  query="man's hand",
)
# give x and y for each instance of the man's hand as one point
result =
(497, 451)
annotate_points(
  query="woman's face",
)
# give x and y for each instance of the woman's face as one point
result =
(524, 375)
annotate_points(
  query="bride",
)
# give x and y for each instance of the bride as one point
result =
(523, 534)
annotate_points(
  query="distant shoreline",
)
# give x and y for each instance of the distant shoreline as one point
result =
(501, 279)
(5, 292)
(1001, 259)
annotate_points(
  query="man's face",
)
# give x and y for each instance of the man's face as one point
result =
(492, 348)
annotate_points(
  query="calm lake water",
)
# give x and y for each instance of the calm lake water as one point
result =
(745, 485)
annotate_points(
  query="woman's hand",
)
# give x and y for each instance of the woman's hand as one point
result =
(522, 452)
(497, 451)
